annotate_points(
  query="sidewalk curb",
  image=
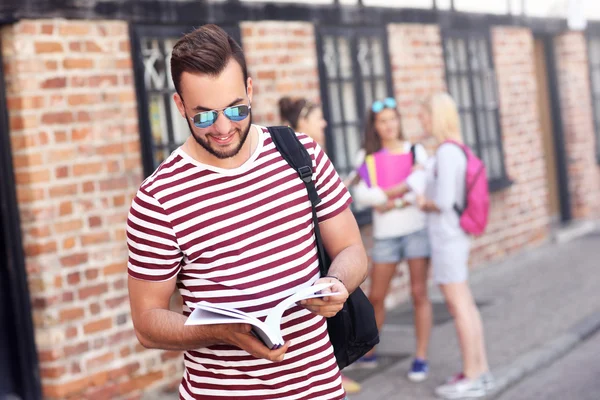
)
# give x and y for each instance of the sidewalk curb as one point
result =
(544, 355)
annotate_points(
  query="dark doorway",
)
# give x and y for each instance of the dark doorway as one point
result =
(19, 376)
(553, 142)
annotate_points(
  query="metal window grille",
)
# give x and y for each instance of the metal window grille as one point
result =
(354, 71)
(471, 81)
(594, 60)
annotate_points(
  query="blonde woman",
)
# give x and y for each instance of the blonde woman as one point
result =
(450, 245)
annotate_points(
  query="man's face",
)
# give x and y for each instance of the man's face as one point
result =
(199, 92)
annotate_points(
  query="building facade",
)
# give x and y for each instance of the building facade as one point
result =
(86, 113)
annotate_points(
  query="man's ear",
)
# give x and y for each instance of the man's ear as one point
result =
(249, 89)
(179, 103)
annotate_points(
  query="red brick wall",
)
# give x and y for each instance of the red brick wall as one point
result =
(578, 124)
(417, 63)
(282, 60)
(75, 140)
(519, 214)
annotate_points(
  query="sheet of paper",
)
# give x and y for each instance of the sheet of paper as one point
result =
(273, 320)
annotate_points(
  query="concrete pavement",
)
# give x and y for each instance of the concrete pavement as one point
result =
(573, 377)
(535, 307)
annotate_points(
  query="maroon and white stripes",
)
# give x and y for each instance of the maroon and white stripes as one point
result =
(241, 237)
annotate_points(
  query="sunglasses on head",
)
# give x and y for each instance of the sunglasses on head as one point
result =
(235, 113)
(379, 105)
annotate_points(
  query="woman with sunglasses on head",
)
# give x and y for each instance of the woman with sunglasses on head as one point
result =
(305, 116)
(450, 245)
(399, 229)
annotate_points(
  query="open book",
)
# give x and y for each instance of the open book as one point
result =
(205, 313)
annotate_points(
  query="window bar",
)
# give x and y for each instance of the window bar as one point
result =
(340, 82)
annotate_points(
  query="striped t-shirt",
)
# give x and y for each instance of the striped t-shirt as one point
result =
(241, 237)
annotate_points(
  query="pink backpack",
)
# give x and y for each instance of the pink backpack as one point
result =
(474, 216)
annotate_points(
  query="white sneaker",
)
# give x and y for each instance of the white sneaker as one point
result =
(488, 381)
(461, 388)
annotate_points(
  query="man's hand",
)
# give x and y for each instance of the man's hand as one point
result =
(240, 335)
(330, 305)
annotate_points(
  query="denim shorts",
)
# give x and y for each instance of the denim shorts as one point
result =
(407, 247)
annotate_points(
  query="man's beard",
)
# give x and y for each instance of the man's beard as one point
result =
(205, 143)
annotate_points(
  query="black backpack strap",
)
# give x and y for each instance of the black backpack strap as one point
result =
(413, 152)
(296, 155)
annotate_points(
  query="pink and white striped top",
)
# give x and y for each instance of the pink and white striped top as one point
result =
(242, 237)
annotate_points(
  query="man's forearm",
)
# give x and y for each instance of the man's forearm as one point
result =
(350, 266)
(164, 329)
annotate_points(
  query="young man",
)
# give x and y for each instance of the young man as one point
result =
(226, 220)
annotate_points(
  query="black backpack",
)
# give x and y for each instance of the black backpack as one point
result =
(352, 331)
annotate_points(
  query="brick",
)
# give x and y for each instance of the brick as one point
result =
(39, 231)
(22, 178)
(50, 65)
(20, 122)
(119, 200)
(97, 326)
(91, 274)
(83, 99)
(90, 291)
(78, 134)
(25, 103)
(88, 187)
(65, 208)
(100, 360)
(54, 83)
(103, 80)
(61, 172)
(47, 29)
(94, 238)
(139, 382)
(87, 168)
(52, 372)
(78, 63)
(68, 297)
(68, 226)
(69, 243)
(116, 268)
(60, 136)
(64, 390)
(170, 355)
(71, 332)
(94, 221)
(110, 149)
(74, 260)
(27, 160)
(75, 29)
(71, 314)
(117, 301)
(62, 117)
(125, 370)
(36, 249)
(74, 278)
(95, 308)
(76, 46)
(75, 350)
(28, 195)
(45, 356)
(64, 155)
(48, 47)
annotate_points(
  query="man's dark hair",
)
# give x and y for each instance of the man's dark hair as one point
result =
(206, 50)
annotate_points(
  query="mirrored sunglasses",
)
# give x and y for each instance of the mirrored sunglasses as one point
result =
(379, 105)
(237, 113)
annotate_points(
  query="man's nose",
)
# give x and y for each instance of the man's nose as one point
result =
(222, 124)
